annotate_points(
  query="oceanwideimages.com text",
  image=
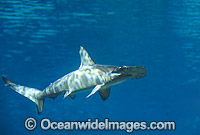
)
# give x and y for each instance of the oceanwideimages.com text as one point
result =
(128, 126)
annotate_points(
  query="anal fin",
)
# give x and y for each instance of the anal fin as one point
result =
(104, 93)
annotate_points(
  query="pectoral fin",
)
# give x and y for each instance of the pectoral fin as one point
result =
(104, 93)
(96, 88)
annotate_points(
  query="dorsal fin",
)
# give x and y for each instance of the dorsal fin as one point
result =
(86, 60)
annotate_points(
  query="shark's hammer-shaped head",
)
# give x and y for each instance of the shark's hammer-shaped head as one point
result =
(135, 72)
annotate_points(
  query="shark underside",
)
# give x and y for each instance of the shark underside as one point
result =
(88, 76)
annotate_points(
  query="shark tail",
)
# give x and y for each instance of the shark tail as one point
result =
(31, 93)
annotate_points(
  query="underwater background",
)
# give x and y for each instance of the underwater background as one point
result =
(40, 40)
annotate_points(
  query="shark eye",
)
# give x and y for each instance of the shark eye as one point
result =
(117, 69)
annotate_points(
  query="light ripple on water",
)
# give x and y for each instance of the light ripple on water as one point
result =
(186, 18)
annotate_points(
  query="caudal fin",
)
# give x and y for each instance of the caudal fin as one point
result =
(31, 93)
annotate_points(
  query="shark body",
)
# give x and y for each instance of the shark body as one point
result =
(88, 76)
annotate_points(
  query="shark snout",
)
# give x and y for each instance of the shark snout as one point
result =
(138, 72)
(135, 72)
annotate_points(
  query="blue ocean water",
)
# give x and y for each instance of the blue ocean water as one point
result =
(39, 43)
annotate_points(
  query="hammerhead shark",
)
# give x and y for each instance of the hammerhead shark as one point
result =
(88, 76)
